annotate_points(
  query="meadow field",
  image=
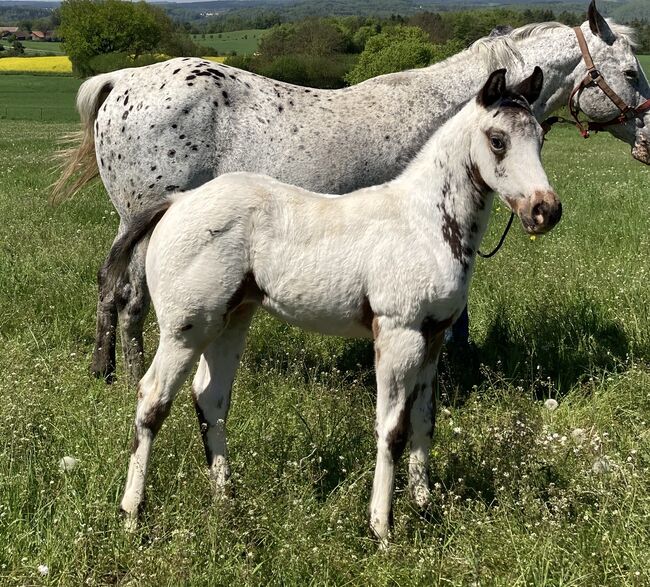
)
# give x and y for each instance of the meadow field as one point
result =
(242, 42)
(38, 47)
(523, 495)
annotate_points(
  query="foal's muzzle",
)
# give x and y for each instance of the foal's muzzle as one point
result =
(539, 213)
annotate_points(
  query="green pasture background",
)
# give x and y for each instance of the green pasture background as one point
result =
(242, 42)
(522, 495)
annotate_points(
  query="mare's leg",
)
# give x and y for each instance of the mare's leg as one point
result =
(133, 305)
(156, 391)
(423, 414)
(460, 329)
(211, 391)
(103, 361)
(399, 353)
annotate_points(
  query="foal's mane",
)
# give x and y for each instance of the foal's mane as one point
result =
(501, 51)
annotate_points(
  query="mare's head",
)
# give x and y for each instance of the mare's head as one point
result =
(611, 47)
(506, 150)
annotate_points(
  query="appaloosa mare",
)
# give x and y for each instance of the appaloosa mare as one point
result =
(173, 126)
(391, 262)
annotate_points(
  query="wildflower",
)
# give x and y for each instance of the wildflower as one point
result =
(551, 405)
(457, 430)
(579, 435)
(601, 466)
(43, 570)
(68, 464)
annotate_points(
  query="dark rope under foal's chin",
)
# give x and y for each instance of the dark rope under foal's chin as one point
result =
(503, 238)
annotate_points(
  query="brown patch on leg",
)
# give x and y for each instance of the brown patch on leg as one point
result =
(156, 416)
(398, 436)
(433, 332)
(136, 440)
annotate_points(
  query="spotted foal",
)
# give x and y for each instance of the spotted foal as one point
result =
(391, 262)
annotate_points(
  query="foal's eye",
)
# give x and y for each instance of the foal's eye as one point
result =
(631, 74)
(497, 144)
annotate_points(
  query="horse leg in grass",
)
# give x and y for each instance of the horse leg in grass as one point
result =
(422, 422)
(399, 353)
(156, 392)
(211, 392)
(133, 305)
(103, 361)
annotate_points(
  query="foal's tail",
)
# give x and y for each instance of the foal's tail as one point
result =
(76, 157)
(122, 249)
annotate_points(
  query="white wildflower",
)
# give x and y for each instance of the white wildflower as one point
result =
(551, 404)
(601, 466)
(579, 435)
(68, 464)
(43, 570)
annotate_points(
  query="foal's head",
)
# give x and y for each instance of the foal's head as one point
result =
(506, 151)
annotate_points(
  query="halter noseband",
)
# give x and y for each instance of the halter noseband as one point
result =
(595, 78)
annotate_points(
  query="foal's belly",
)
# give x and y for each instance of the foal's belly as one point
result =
(328, 316)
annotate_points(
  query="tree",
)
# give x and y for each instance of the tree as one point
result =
(110, 26)
(394, 49)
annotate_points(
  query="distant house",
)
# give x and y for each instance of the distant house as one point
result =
(8, 31)
(41, 35)
(22, 35)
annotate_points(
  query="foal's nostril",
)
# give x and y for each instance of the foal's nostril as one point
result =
(556, 214)
(539, 212)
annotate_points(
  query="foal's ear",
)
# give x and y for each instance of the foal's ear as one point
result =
(494, 88)
(531, 87)
(598, 24)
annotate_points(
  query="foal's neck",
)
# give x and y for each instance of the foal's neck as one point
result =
(444, 189)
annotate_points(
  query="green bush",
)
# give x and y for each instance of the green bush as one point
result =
(112, 61)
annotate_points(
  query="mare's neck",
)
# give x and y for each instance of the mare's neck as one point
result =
(442, 89)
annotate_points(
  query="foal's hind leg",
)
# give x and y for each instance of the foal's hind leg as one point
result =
(133, 305)
(211, 391)
(422, 423)
(156, 391)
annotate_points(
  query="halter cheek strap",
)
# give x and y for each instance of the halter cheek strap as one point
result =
(595, 78)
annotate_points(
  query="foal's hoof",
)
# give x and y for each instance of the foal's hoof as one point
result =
(130, 521)
(421, 496)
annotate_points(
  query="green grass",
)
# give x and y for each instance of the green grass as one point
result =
(242, 42)
(38, 97)
(645, 63)
(516, 502)
(38, 47)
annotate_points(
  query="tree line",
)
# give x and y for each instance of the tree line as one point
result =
(327, 52)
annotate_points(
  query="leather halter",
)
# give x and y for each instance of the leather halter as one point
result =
(595, 78)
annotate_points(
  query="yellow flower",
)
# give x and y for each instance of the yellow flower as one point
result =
(533, 237)
(56, 64)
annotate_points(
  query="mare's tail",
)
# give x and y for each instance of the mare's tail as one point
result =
(76, 157)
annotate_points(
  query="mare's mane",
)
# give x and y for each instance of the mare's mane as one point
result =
(501, 50)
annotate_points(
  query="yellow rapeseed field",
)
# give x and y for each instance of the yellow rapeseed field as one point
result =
(54, 64)
(215, 59)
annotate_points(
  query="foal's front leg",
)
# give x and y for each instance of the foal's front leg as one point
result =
(423, 414)
(399, 353)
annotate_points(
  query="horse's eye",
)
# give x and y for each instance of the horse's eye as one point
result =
(497, 144)
(631, 74)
